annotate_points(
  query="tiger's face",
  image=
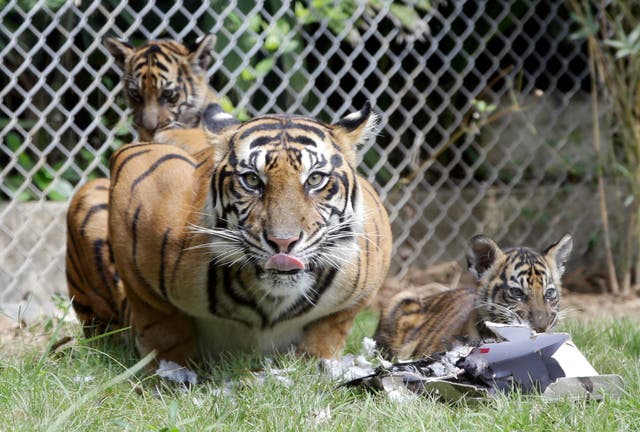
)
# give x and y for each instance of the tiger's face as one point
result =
(286, 197)
(165, 83)
(519, 285)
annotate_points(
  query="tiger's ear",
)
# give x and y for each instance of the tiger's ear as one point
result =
(200, 55)
(218, 126)
(120, 50)
(559, 252)
(482, 253)
(354, 129)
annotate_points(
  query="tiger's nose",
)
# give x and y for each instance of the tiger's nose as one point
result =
(150, 118)
(539, 321)
(282, 245)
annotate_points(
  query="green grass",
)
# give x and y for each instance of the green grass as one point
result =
(90, 386)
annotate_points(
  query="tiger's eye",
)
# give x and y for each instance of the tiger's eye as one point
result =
(550, 294)
(316, 180)
(169, 94)
(516, 293)
(134, 94)
(252, 181)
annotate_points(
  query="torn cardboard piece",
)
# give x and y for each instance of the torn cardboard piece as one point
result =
(547, 363)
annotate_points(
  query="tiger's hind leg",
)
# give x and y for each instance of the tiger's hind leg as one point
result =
(95, 289)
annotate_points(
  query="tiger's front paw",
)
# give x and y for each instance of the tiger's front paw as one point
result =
(324, 346)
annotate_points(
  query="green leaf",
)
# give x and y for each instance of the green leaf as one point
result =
(25, 195)
(264, 66)
(13, 141)
(303, 15)
(226, 104)
(423, 4)
(86, 155)
(272, 42)
(256, 23)
(62, 190)
(482, 106)
(71, 175)
(25, 161)
(406, 15)
(41, 180)
(248, 74)
(588, 26)
(284, 27)
(615, 43)
(291, 46)
(235, 21)
(55, 4)
(15, 182)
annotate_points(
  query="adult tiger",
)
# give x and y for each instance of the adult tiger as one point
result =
(264, 240)
(165, 83)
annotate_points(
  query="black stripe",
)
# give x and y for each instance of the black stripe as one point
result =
(134, 233)
(356, 188)
(229, 289)
(71, 241)
(98, 254)
(248, 303)
(303, 304)
(172, 46)
(157, 164)
(212, 281)
(72, 283)
(97, 246)
(163, 256)
(261, 127)
(201, 163)
(112, 258)
(81, 308)
(316, 241)
(125, 161)
(163, 57)
(264, 140)
(170, 348)
(142, 330)
(162, 67)
(335, 188)
(360, 264)
(178, 259)
(301, 139)
(125, 312)
(92, 210)
(191, 90)
(307, 128)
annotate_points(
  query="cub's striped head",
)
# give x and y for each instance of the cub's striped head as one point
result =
(286, 194)
(165, 82)
(519, 285)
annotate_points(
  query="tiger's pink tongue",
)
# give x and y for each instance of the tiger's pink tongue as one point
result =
(283, 262)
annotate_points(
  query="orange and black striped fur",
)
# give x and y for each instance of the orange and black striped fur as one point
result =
(515, 286)
(165, 83)
(267, 239)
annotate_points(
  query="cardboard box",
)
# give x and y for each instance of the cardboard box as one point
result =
(545, 363)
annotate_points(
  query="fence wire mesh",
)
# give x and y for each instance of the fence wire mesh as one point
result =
(484, 110)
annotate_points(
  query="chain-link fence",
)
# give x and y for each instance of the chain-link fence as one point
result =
(484, 107)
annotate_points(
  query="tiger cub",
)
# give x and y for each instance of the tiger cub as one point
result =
(266, 239)
(515, 286)
(165, 83)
